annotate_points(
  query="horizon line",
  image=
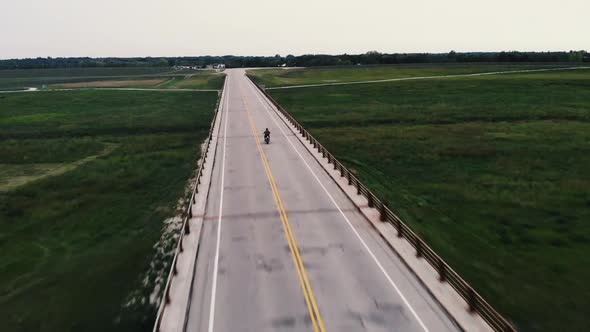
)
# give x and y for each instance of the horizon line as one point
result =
(289, 54)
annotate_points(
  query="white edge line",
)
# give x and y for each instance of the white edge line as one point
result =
(343, 215)
(219, 219)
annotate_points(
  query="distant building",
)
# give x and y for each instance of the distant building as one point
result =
(216, 66)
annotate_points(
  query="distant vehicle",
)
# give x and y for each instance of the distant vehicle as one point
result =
(267, 136)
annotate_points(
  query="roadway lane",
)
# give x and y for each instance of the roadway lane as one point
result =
(284, 249)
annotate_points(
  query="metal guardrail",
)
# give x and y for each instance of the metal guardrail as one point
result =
(446, 274)
(186, 216)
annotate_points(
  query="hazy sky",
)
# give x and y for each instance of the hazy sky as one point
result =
(31, 28)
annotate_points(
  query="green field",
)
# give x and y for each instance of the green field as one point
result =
(319, 75)
(87, 179)
(493, 171)
(129, 77)
(85, 72)
(202, 81)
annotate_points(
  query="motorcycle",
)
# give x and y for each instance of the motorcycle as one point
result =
(267, 139)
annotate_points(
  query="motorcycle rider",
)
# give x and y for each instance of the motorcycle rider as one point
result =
(266, 133)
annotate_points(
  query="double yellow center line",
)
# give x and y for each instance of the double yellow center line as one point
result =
(312, 306)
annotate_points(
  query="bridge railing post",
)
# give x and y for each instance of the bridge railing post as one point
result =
(471, 299)
(418, 247)
(187, 228)
(442, 270)
(382, 214)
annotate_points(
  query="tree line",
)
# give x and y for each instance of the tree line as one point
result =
(308, 60)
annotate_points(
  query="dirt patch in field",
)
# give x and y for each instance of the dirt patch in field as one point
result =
(14, 176)
(111, 84)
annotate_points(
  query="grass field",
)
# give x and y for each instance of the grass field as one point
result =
(109, 77)
(146, 83)
(85, 72)
(86, 180)
(318, 75)
(211, 81)
(492, 171)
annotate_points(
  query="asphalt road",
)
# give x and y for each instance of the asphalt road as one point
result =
(283, 248)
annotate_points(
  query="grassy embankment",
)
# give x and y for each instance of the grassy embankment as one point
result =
(86, 181)
(110, 77)
(492, 171)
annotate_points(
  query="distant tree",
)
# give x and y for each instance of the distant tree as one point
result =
(290, 60)
(452, 56)
(372, 57)
(576, 56)
(162, 62)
